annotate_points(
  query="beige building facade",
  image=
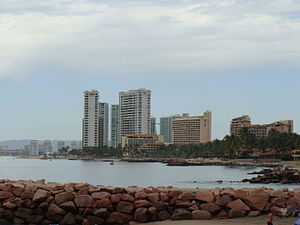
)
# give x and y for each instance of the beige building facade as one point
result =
(260, 130)
(137, 141)
(192, 129)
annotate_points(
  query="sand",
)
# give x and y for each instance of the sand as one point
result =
(238, 221)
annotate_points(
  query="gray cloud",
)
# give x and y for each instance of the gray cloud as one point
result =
(209, 37)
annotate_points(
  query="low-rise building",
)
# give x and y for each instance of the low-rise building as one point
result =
(141, 141)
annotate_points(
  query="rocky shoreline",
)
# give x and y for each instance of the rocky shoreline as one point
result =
(37, 202)
(276, 176)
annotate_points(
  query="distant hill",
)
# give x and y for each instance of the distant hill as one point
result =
(19, 144)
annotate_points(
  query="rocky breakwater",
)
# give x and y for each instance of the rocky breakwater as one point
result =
(28, 202)
(276, 176)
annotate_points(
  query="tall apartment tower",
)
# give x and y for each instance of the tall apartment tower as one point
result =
(114, 126)
(192, 130)
(237, 123)
(166, 127)
(104, 114)
(135, 112)
(90, 127)
(33, 148)
(153, 125)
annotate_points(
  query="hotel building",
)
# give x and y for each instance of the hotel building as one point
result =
(166, 127)
(192, 130)
(135, 111)
(114, 126)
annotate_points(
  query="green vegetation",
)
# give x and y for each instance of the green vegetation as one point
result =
(230, 146)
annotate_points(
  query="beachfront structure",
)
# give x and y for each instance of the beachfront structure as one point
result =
(166, 127)
(114, 126)
(90, 126)
(259, 130)
(142, 141)
(135, 111)
(237, 123)
(192, 129)
(104, 114)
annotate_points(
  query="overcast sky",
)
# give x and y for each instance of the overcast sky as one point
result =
(232, 57)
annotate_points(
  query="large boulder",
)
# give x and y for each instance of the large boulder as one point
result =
(125, 207)
(223, 200)
(17, 189)
(141, 215)
(140, 195)
(84, 201)
(181, 214)
(102, 212)
(201, 215)
(104, 203)
(205, 196)
(152, 213)
(280, 202)
(257, 199)
(127, 197)
(94, 220)
(163, 215)
(101, 195)
(68, 219)
(117, 217)
(64, 197)
(235, 213)
(238, 204)
(5, 195)
(210, 207)
(142, 203)
(40, 195)
(56, 210)
(23, 212)
(153, 197)
(68, 206)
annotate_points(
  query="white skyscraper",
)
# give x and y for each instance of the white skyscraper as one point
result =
(33, 149)
(104, 114)
(135, 111)
(114, 125)
(90, 127)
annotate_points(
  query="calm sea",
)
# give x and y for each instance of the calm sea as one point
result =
(124, 174)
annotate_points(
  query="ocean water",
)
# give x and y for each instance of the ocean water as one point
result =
(124, 174)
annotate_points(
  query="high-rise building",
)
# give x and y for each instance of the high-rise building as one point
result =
(90, 127)
(135, 111)
(166, 127)
(192, 130)
(33, 148)
(114, 125)
(153, 125)
(237, 123)
(104, 114)
(47, 146)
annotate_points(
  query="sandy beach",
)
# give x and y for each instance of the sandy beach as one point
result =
(238, 221)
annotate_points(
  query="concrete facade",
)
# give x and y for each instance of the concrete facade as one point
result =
(192, 130)
(104, 114)
(136, 141)
(135, 111)
(166, 127)
(114, 125)
(153, 125)
(237, 123)
(90, 127)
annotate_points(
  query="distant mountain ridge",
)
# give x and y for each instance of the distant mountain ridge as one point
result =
(19, 144)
